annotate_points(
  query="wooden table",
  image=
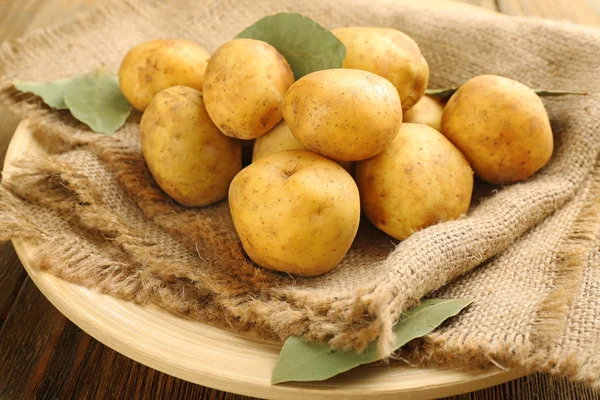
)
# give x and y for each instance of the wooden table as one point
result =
(43, 355)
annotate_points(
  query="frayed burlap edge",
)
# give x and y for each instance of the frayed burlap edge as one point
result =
(14, 220)
(61, 188)
(123, 274)
(549, 355)
(543, 351)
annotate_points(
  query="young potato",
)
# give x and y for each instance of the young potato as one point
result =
(295, 212)
(501, 126)
(281, 138)
(343, 114)
(277, 139)
(244, 86)
(190, 159)
(428, 111)
(388, 53)
(153, 66)
(418, 180)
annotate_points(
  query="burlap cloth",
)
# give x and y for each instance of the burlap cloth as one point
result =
(99, 220)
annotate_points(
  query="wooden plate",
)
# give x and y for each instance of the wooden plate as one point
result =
(220, 359)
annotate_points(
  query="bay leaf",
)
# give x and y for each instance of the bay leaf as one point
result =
(53, 93)
(96, 100)
(301, 361)
(306, 45)
(552, 93)
(442, 94)
(446, 93)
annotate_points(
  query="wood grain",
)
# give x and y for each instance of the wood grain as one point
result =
(12, 277)
(28, 341)
(51, 358)
(45, 356)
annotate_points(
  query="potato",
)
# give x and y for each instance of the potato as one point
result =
(281, 138)
(388, 53)
(428, 111)
(295, 212)
(420, 179)
(190, 159)
(343, 114)
(153, 66)
(501, 126)
(244, 86)
(277, 139)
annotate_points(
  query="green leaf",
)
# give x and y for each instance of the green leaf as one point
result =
(53, 93)
(446, 93)
(552, 93)
(442, 94)
(306, 45)
(96, 100)
(301, 361)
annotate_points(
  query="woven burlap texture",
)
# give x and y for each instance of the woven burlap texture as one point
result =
(99, 220)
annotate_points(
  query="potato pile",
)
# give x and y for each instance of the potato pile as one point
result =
(329, 145)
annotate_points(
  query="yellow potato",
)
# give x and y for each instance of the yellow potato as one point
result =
(388, 53)
(244, 86)
(153, 66)
(428, 111)
(420, 179)
(190, 159)
(295, 212)
(281, 138)
(277, 139)
(343, 114)
(501, 126)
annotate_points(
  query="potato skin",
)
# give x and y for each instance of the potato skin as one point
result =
(501, 126)
(190, 159)
(343, 114)
(295, 212)
(244, 85)
(281, 138)
(418, 180)
(428, 111)
(277, 139)
(153, 66)
(388, 53)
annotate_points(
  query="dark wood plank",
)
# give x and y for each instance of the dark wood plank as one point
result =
(534, 387)
(44, 356)
(27, 341)
(12, 276)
